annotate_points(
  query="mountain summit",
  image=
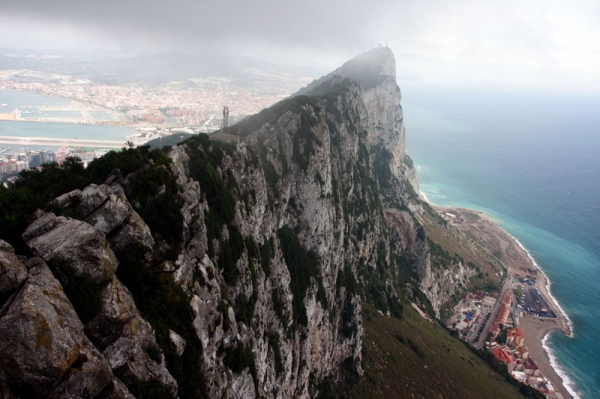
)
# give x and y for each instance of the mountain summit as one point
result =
(369, 68)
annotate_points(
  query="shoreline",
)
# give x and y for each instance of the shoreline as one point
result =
(486, 232)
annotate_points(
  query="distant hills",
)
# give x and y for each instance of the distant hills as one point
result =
(147, 69)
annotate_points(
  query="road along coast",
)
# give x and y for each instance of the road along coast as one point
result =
(521, 267)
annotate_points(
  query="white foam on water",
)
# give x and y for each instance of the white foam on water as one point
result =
(569, 384)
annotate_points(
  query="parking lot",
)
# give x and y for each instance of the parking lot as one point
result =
(535, 304)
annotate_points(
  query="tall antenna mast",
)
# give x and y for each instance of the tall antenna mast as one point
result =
(225, 117)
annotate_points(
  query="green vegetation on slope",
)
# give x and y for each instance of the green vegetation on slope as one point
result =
(412, 357)
(166, 307)
(303, 266)
(448, 247)
(36, 189)
(270, 115)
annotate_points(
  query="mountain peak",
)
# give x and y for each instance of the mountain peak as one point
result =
(369, 68)
(377, 61)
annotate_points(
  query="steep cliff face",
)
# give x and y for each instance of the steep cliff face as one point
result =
(237, 269)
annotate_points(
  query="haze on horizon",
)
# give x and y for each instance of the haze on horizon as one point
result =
(539, 46)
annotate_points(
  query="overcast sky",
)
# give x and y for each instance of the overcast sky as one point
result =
(533, 45)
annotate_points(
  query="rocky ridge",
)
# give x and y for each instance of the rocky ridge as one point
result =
(237, 269)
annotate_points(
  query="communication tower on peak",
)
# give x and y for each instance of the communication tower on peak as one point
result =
(225, 117)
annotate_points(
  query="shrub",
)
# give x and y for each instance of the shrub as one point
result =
(165, 306)
(245, 308)
(266, 253)
(36, 189)
(239, 358)
(302, 265)
(205, 158)
(231, 250)
(274, 344)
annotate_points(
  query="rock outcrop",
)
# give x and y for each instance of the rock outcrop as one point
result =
(43, 348)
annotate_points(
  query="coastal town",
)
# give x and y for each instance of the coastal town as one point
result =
(151, 111)
(513, 324)
(194, 102)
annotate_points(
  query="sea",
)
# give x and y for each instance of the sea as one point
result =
(532, 162)
(9, 100)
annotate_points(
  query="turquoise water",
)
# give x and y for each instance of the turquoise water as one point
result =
(533, 163)
(14, 99)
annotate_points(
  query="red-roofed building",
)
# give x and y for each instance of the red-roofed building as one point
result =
(504, 357)
(503, 313)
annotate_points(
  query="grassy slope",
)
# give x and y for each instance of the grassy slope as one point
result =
(437, 365)
(456, 242)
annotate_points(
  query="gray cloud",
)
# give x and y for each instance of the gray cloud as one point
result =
(540, 45)
(227, 24)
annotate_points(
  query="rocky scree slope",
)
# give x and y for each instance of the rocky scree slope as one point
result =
(231, 268)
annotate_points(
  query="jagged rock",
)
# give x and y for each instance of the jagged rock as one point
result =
(178, 341)
(84, 247)
(118, 317)
(105, 207)
(133, 231)
(12, 270)
(69, 199)
(124, 336)
(6, 247)
(242, 386)
(42, 341)
(44, 222)
(88, 376)
(181, 160)
(139, 367)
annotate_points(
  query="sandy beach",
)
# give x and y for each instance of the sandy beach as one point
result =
(534, 332)
(484, 231)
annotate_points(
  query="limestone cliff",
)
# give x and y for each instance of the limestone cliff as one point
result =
(237, 267)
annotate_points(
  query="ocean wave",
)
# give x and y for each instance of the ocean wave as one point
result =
(569, 384)
(548, 283)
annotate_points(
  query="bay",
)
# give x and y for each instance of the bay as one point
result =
(9, 100)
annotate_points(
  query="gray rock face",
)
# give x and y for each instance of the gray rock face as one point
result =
(178, 341)
(12, 271)
(105, 207)
(77, 242)
(119, 317)
(133, 231)
(139, 367)
(42, 341)
(44, 222)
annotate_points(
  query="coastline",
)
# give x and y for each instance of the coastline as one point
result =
(486, 232)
